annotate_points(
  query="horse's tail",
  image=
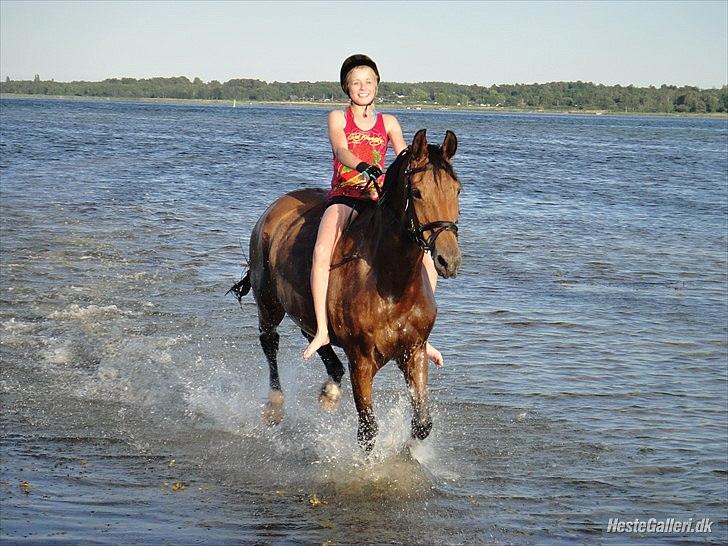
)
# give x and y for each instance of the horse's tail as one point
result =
(241, 288)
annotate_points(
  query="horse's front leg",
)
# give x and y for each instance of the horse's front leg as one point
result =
(362, 379)
(414, 367)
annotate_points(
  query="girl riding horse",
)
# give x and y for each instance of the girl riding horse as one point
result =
(359, 140)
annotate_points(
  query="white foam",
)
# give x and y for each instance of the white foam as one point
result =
(75, 311)
(57, 352)
(16, 333)
(16, 326)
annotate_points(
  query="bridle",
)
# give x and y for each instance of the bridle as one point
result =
(414, 228)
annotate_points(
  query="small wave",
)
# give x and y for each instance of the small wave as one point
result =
(16, 333)
(678, 343)
(526, 323)
(62, 353)
(16, 326)
(75, 311)
(520, 323)
(657, 470)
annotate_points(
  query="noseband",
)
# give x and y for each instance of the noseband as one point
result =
(415, 229)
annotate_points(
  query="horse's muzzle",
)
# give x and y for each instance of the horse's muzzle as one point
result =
(447, 258)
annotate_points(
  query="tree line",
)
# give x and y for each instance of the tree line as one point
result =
(567, 96)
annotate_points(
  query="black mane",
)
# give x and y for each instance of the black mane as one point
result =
(394, 175)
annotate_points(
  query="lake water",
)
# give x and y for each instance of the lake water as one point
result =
(586, 337)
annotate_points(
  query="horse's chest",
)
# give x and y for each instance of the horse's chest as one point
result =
(387, 323)
(406, 330)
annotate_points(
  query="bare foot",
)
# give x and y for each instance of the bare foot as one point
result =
(434, 355)
(316, 343)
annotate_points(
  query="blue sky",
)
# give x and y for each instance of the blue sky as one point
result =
(640, 43)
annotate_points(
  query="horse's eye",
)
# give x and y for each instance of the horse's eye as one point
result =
(417, 194)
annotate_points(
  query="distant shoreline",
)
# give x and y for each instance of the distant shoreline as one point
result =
(224, 103)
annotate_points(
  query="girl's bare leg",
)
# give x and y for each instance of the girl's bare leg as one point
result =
(330, 228)
(432, 353)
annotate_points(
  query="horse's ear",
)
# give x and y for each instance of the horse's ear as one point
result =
(449, 145)
(419, 145)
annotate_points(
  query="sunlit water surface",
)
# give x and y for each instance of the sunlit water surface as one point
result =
(585, 337)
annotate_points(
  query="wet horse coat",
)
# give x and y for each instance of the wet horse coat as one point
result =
(380, 303)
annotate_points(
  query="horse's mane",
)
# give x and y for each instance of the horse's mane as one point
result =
(394, 179)
(393, 176)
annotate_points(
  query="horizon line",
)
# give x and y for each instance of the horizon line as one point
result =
(191, 79)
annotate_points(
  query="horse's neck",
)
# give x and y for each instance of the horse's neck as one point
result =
(396, 260)
(383, 241)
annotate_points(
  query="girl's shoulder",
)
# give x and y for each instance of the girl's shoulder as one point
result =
(337, 118)
(390, 122)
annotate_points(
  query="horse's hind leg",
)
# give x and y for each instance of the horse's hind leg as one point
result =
(331, 389)
(269, 317)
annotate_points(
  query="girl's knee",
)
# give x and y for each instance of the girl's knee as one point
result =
(428, 261)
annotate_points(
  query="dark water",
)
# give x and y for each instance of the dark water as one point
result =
(586, 337)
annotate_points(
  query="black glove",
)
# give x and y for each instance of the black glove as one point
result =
(371, 172)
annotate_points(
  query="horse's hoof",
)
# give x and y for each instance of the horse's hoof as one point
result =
(366, 434)
(330, 396)
(421, 429)
(273, 409)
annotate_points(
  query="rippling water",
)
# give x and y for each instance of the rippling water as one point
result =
(586, 337)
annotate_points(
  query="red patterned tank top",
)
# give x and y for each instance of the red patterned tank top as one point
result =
(369, 146)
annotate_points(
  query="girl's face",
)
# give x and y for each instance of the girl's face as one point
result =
(362, 85)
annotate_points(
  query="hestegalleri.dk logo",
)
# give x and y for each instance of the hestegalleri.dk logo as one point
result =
(653, 525)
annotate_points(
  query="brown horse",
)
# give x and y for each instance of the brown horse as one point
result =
(380, 303)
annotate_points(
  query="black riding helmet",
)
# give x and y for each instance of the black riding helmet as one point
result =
(353, 62)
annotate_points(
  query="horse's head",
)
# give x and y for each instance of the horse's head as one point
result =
(426, 191)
